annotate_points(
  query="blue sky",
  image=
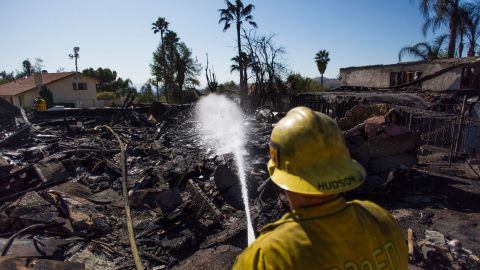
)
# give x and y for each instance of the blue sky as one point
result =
(117, 34)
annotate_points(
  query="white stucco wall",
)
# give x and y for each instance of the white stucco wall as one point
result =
(24, 100)
(63, 92)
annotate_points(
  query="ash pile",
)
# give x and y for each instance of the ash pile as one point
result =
(61, 193)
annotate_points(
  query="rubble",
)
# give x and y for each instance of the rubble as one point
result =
(377, 139)
(8, 112)
(65, 173)
(435, 252)
(61, 181)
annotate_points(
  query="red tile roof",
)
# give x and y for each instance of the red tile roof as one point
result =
(23, 85)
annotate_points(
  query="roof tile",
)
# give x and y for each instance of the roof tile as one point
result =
(23, 85)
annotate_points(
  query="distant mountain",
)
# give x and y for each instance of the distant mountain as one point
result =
(329, 83)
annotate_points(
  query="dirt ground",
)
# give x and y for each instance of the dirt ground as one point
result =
(437, 196)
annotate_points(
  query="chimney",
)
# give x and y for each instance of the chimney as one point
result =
(37, 77)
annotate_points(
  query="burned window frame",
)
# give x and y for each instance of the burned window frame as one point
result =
(467, 80)
(403, 77)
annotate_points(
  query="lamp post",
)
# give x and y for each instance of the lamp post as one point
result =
(76, 56)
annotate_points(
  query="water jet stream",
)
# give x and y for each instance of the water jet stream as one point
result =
(221, 127)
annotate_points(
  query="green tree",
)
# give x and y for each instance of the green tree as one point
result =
(229, 86)
(236, 14)
(187, 68)
(124, 87)
(297, 84)
(425, 50)
(177, 66)
(438, 13)
(105, 77)
(322, 59)
(38, 65)
(108, 81)
(171, 42)
(146, 93)
(6, 77)
(160, 26)
(27, 67)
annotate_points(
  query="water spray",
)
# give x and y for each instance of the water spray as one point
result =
(222, 129)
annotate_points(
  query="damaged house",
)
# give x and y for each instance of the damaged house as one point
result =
(437, 75)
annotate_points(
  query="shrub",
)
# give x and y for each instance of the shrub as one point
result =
(189, 96)
(106, 96)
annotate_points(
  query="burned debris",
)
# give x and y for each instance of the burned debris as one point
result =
(62, 203)
(61, 194)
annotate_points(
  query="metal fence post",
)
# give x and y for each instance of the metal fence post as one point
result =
(460, 128)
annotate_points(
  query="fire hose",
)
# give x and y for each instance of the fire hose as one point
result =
(131, 235)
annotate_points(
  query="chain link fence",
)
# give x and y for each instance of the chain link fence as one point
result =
(448, 126)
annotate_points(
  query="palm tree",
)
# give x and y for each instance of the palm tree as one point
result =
(238, 13)
(438, 13)
(236, 64)
(424, 50)
(472, 25)
(160, 26)
(322, 59)
(171, 41)
(123, 87)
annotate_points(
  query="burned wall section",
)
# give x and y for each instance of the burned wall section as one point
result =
(459, 75)
(384, 129)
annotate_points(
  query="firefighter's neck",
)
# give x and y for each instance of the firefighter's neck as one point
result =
(297, 200)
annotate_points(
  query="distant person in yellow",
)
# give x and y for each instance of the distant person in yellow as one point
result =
(40, 104)
(310, 162)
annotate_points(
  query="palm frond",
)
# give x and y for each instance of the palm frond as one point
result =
(226, 26)
(239, 4)
(254, 24)
(247, 10)
(411, 50)
(425, 7)
(438, 42)
(230, 6)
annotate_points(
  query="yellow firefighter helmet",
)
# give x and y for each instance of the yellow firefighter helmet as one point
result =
(309, 155)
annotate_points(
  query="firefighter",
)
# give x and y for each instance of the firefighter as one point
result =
(310, 162)
(40, 104)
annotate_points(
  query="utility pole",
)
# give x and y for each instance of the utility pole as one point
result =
(76, 56)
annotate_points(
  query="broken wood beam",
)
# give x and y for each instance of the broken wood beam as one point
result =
(202, 200)
(410, 242)
(15, 135)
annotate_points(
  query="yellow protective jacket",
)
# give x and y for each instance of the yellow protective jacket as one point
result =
(42, 105)
(356, 235)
